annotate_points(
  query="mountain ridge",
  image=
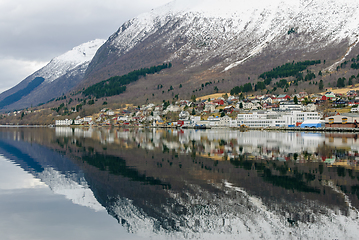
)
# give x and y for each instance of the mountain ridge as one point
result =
(212, 40)
(60, 75)
(210, 43)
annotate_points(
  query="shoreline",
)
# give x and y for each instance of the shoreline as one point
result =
(296, 129)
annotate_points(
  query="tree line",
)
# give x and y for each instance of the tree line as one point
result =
(243, 88)
(117, 84)
(288, 69)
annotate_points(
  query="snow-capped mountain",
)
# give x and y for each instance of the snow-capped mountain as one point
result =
(223, 36)
(205, 41)
(63, 64)
(59, 76)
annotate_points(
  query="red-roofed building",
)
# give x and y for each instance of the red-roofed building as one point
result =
(219, 102)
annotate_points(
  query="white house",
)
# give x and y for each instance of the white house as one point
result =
(249, 105)
(267, 100)
(110, 113)
(184, 115)
(124, 118)
(225, 121)
(87, 119)
(78, 121)
(209, 107)
(290, 106)
(173, 108)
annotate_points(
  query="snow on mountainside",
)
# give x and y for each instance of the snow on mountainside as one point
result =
(60, 75)
(234, 31)
(63, 64)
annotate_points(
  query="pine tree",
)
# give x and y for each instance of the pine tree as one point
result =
(295, 100)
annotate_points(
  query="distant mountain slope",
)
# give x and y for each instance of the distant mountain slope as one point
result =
(59, 76)
(210, 40)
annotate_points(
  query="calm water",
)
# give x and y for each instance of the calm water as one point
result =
(64, 183)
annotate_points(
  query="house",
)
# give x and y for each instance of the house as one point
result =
(184, 115)
(159, 108)
(209, 107)
(218, 102)
(87, 119)
(311, 107)
(328, 96)
(339, 103)
(213, 121)
(283, 97)
(123, 118)
(153, 118)
(354, 109)
(267, 100)
(269, 106)
(351, 93)
(353, 102)
(247, 104)
(225, 121)
(173, 108)
(228, 109)
(290, 106)
(185, 103)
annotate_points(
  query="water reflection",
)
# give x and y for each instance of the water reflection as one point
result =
(216, 183)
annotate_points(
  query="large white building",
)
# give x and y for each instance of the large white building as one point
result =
(275, 119)
(65, 122)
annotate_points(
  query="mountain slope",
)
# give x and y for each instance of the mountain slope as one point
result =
(207, 40)
(59, 76)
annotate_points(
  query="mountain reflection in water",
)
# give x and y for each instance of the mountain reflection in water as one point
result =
(216, 183)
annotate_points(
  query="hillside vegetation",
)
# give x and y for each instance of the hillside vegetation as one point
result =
(117, 85)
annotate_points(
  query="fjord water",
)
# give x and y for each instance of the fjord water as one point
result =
(72, 183)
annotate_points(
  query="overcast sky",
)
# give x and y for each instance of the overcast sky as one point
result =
(33, 32)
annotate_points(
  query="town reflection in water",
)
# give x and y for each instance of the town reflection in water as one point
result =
(217, 183)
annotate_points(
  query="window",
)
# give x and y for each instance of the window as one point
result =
(344, 120)
(331, 120)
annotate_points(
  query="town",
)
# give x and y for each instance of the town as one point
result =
(300, 110)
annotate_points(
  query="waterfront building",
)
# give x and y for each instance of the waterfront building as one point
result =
(276, 119)
(65, 122)
(342, 121)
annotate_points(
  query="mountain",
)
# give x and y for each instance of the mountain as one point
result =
(230, 40)
(212, 44)
(58, 77)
